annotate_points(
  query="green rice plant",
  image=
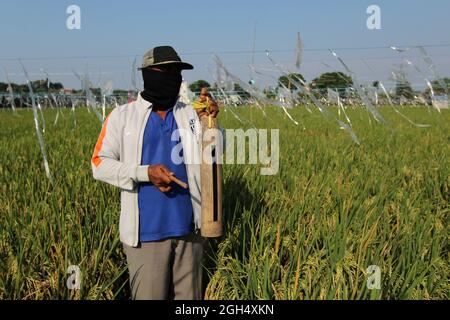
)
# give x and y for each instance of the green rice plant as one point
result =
(308, 232)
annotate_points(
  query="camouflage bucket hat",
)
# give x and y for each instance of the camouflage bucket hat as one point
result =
(163, 55)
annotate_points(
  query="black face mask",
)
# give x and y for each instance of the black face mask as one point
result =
(161, 88)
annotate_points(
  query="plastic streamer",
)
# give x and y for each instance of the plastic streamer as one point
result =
(398, 111)
(284, 94)
(256, 101)
(90, 99)
(377, 116)
(225, 96)
(350, 88)
(306, 89)
(399, 49)
(115, 102)
(287, 100)
(10, 91)
(52, 96)
(36, 123)
(42, 115)
(427, 59)
(265, 75)
(48, 92)
(133, 74)
(106, 90)
(82, 86)
(229, 84)
(230, 108)
(302, 84)
(217, 78)
(373, 93)
(56, 118)
(429, 62)
(429, 85)
(341, 106)
(73, 112)
(334, 97)
(250, 89)
(298, 51)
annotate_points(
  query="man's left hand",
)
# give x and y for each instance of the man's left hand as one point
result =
(213, 107)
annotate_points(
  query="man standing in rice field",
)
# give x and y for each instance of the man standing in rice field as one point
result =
(160, 220)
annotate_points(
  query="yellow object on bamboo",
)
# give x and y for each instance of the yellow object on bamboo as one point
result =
(197, 105)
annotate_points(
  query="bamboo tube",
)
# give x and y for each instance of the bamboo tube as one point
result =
(211, 180)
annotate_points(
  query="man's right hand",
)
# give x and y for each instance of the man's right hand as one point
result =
(159, 175)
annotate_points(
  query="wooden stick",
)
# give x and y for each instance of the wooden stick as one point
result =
(179, 182)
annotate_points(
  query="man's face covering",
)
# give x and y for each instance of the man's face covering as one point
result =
(161, 88)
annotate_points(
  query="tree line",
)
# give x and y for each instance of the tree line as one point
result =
(337, 81)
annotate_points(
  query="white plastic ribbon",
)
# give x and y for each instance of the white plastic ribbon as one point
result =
(36, 123)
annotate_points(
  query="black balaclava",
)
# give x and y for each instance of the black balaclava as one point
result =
(161, 88)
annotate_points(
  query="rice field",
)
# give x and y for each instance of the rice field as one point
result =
(309, 232)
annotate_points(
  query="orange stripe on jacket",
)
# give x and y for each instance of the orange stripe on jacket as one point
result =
(96, 160)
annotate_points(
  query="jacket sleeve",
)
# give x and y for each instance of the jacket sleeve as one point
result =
(105, 162)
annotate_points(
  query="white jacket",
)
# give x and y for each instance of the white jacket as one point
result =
(117, 157)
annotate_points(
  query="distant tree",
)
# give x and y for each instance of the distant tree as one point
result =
(96, 91)
(333, 80)
(56, 86)
(198, 85)
(438, 87)
(376, 84)
(20, 87)
(120, 92)
(270, 93)
(241, 92)
(286, 81)
(403, 88)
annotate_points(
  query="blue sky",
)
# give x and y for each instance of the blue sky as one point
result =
(112, 32)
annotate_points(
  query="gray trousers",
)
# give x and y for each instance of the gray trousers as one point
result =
(166, 269)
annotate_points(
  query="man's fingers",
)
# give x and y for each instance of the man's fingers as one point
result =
(214, 110)
(204, 92)
(165, 171)
(202, 114)
(213, 107)
(163, 168)
(164, 178)
(203, 95)
(160, 175)
(165, 189)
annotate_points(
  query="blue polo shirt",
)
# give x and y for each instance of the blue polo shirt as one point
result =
(163, 215)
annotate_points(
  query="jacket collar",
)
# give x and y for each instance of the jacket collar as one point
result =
(141, 102)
